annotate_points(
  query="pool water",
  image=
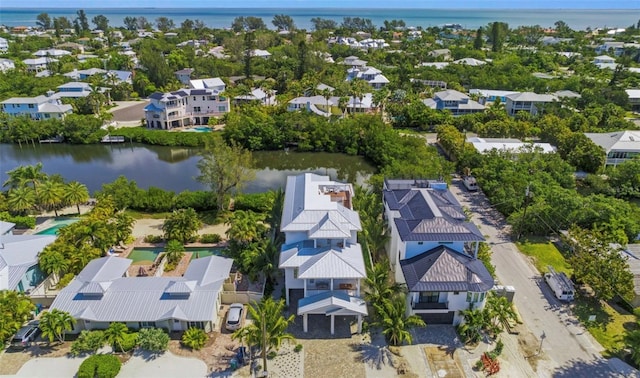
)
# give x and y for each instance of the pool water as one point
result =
(147, 256)
(58, 224)
(199, 129)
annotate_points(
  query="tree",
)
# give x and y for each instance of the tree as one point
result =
(498, 35)
(44, 21)
(379, 286)
(88, 342)
(268, 329)
(181, 225)
(194, 338)
(499, 311)
(478, 42)
(283, 22)
(131, 23)
(245, 227)
(76, 193)
(224, 168)
(55, 323)
(154, 340)
(394, 322)
(123, 226)
(51, 261)
(632, 341)
(51, 195)
(101, 22)
(21, 199)
(323, 24)
(474, 322)
(116, 335)
(164, 24)
(174, 251)
(15, 309)
(249, 45)
(81, 21)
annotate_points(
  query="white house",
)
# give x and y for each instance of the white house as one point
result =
(19, 259)
(331, 106)
(184, 75)
(102, 293)
(527, 102)
(38, 64)
(55, 53)
(258, 95)
(433, 250)
(619, 146)
(6, 65)
(185, 107)
(39, 107)
(484, 145)
(371, 75)
(321, 258)
(454, 101)
(73, 89)
(4, 45)
(605, 62)
(634, 98)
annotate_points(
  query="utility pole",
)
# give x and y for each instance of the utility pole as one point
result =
(527, 195)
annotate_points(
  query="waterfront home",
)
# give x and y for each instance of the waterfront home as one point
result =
(484, 145)
(433, 250)
(331, 106)
(258, 95)
(321, 258)
(38, 64)
(4, 45)
(6, 65)
(456, 102)
(39, 107)
(185, 107)
(103, 293)
(527, 102)
(73, 89)
(620, 146)
(19, 259)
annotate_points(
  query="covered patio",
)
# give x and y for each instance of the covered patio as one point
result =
(331, 304)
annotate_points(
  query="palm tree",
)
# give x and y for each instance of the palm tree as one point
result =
(55, 323)
(394, 322)
(181, 225)
(379, 98)
(15, 177)
(76, 193)
(53, 262)
(174, 251)
(474, 322)
(499, 311)
(275, 216)
(51, 195)
(632, 341)
(32, 174)
(21, 199)
(326, 93)
(116, 334)
(379, 286)
(123, 226)
(245, 226)
(268, 329)
(194, 338)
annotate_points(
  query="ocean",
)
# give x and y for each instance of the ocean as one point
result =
(577, 19)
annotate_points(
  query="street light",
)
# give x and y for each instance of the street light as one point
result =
(542, 337)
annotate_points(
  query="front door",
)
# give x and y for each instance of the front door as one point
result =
(177, 325)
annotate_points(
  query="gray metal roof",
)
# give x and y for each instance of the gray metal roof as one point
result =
(332, 302)
(104, 269)
(443, 269)
(428, 214)
(617, 141)
(6, 227)
(326, 262)
(18, 253)
(192, 297)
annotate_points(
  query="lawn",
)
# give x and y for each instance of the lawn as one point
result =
(544, 253)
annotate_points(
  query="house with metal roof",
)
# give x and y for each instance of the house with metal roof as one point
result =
(321, 257)
(103, 293)
(433, 250)
(484, 145)
(187, 106)
(454, 101)
(527, 102)
(620, 146)
(19, 259)
(39, 107)
(371, 75)
(258, 95)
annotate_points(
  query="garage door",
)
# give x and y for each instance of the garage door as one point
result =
(440, 318)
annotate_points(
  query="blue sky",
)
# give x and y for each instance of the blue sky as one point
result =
(450, 4)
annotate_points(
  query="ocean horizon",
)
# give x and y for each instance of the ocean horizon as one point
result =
(471, 18)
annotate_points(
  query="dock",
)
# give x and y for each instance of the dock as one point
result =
(58, 139)
(112, 139)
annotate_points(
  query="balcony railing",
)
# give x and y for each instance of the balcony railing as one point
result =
(431, 306)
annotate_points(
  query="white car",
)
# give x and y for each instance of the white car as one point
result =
(234, 317)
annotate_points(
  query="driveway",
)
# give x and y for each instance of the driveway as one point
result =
(568, 346)
(166, 365)
(128, 111)
(58, 367)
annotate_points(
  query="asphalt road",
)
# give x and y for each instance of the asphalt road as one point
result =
(570, 351)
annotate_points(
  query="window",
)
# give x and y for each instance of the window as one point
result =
(176, 320)
(202, 98)
(456, 292)
(147, 324)
(222, 108)
(47, 115)
(194, 98)
(196, 325)
(31, 106)
(295, 273)
(475, 297)
(196, 108)
(429, 296)
(420, 243)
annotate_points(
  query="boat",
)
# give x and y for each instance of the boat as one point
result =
(112, 139)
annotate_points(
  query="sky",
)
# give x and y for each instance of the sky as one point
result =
(450, 4)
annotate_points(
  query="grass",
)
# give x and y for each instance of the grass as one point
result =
(142, 215)
(610, 325)
(545, 253)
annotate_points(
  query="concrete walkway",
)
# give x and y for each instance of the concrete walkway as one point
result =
(165, 365)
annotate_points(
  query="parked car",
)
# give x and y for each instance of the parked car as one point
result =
(234, 317)
(26, 335)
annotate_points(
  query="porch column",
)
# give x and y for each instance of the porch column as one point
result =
(357, 287)
(359, 324)
(332, 324)
(475, 253)
(286, 293)
(304, 323)
(305, 288)
(331, 285)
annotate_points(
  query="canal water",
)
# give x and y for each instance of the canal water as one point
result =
(172, 168)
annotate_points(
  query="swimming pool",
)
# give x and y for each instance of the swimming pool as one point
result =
(147, 255)
(199, 129)
(57, 224)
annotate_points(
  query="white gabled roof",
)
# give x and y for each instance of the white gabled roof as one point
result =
(19, 253)
(628, 140)
(325, 262)
(214, 82)
(332, 303)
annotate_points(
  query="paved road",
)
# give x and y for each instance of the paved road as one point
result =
(569, 348)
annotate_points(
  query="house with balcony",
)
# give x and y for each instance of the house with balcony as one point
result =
(456, 102)
(433, 250)
(634, 98)
(103, 293)
(490, 95)
(259, 96)
(19, 268)
(38, 64)
(39, 107)
(186, 107)
(73, 89)
(321, 258)
(620, 146)
(371, 75)
(328, 107)
(530, 102)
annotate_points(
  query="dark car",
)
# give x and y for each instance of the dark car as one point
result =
(26, 335)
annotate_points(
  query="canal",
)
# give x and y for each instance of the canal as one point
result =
(172, 168)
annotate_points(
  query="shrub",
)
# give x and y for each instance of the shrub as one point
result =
(297, 348)
(64, 281)
(130, 341)
(256, 202)
(88, 342)
(153, 239)
(153, 339)
(170, 266)
(99, 366)
(20, 221)
(210, 238)
(194, 338)
(271, 355)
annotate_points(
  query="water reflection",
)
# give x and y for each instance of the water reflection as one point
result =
(171, 168)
